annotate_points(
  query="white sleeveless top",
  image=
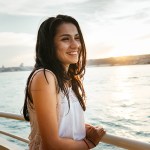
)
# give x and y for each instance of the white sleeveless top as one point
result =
(71, 121)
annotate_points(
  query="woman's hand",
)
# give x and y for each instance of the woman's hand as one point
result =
(94, 134)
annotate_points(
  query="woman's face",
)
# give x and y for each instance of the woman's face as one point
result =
(67, 44)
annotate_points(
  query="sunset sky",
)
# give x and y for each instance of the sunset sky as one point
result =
(110, 27)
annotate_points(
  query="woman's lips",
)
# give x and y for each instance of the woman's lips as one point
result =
(72, 53)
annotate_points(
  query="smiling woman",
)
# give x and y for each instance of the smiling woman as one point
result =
(55, 98)
(67, 43)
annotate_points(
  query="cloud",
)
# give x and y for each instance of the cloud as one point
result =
(146, 36)
(14, 55)
(26, 59)
(16, 39)
(124, 10)
(34, 7)
(16, 48)
(109, 27)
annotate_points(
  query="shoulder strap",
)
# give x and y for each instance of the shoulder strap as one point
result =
(43, 70)
(56, 82)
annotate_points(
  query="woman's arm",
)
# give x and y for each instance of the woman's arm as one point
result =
(44, 97)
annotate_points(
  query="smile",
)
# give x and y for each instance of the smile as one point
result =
(72, 53)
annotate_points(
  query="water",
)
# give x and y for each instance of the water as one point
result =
(118, 98)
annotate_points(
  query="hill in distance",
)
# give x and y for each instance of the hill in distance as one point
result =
(122, 60)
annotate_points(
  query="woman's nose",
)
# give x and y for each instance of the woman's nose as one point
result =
(75, 44)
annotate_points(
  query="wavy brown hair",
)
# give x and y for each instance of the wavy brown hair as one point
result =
(46, 58)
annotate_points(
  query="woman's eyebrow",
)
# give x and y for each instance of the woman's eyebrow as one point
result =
(68, 35)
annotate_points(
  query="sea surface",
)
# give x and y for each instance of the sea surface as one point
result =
(118, 98)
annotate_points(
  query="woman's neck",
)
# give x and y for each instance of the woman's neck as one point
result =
(66, 68)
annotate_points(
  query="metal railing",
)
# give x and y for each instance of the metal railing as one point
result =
(108, 138)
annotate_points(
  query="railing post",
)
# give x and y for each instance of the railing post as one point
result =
(12, 116)
(125, 142)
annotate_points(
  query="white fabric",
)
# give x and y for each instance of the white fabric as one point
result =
(71, 121)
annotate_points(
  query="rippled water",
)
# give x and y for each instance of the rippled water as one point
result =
(118, 98)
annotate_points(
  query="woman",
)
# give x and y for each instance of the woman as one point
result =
(55, 98)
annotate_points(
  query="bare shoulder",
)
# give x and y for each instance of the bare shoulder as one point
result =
(42, 80)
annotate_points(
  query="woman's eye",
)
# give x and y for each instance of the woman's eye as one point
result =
(65, 39)
(77, 38)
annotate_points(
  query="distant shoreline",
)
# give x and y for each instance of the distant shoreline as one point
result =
(112, 61)
(14, 69)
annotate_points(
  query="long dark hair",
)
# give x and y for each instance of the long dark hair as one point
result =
(46, 58)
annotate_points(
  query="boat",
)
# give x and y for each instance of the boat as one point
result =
(118, 141)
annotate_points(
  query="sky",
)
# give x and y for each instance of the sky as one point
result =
(110, 27)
